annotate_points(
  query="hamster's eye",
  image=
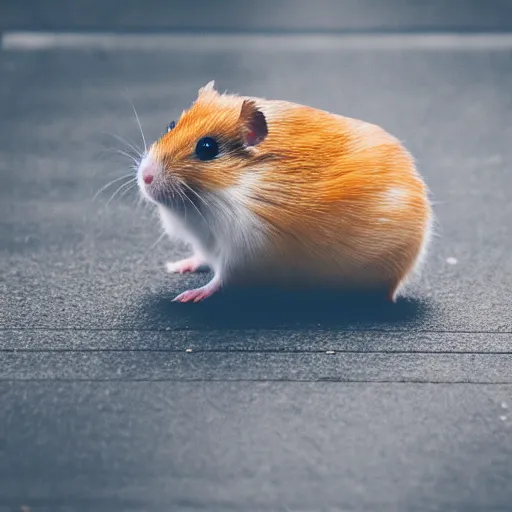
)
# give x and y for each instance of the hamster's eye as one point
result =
(207, 148)
(171, 126)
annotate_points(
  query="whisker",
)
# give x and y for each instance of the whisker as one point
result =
(194, 192)
(140, 128)
(126, 142)
(126, 190)
(110, 183)
(197, 209)
(140, 202)
(129, 183)
(180, 195)
(127, 155)
(138, 122)
(159, 239)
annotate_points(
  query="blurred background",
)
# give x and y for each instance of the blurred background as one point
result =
(113, 399)
(261, 15)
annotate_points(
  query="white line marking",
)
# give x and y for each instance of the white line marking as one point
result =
(31, 41)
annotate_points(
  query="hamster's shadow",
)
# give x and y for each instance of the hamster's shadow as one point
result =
(269, 308)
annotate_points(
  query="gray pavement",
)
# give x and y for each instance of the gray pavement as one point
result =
(102, 406)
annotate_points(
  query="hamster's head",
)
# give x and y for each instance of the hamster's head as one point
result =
(206, 152)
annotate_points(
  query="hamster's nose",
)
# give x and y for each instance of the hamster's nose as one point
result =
(148, 169)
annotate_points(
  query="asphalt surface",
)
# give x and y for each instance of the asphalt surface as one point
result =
(114, 398)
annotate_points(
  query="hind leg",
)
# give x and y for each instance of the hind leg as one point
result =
(391, 296)
(200, 294)
(392, 291)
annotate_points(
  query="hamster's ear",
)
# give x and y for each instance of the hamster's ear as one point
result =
(253, 124)
(208, 88)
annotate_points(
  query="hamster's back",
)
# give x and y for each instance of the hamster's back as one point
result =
(343, 198)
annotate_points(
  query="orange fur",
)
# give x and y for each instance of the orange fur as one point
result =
(341, 199)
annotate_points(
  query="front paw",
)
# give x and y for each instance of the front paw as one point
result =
(191, 264)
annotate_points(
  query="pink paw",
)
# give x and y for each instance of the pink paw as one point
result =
(187, 265)
(199, 294)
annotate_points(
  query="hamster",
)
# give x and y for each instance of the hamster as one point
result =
(273, 192)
